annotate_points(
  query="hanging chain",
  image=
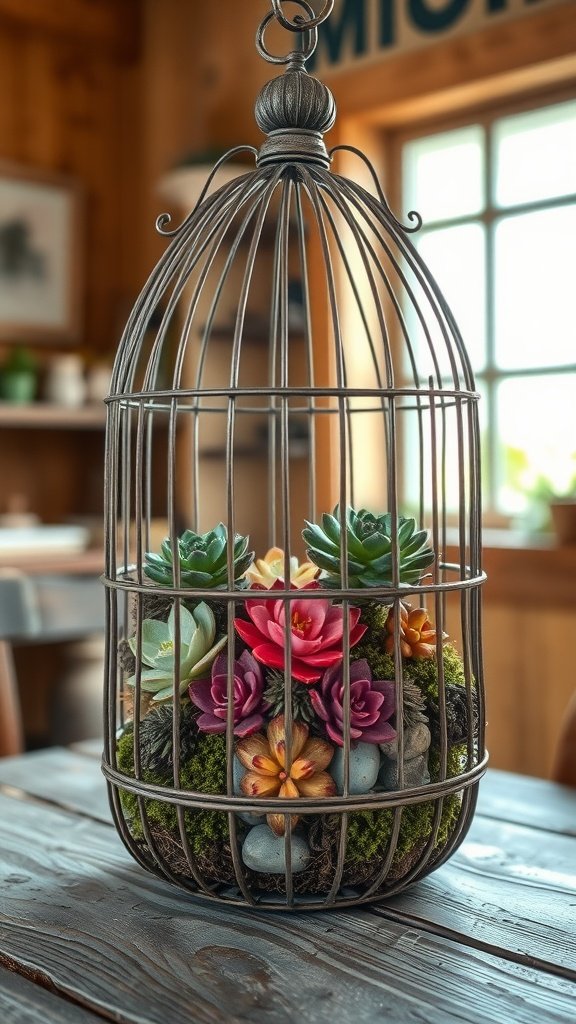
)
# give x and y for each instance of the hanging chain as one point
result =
(308, 27)
(302, 24)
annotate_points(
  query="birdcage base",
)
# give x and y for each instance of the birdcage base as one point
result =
(368, 872)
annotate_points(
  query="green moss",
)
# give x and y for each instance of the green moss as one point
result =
(369, 831)
(204, 772)
(455, 761)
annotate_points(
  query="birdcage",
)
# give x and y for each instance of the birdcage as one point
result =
(294, 699)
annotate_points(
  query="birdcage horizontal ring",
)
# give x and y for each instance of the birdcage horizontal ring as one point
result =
(310, 36)
(299, 25)
(304, 805)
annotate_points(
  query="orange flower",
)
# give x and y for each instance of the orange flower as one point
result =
(417, 634)
(268, 774)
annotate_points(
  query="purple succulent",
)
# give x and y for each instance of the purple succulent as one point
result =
(211, 696)
(372, 703)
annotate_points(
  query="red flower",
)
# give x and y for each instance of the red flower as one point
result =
(316, 632)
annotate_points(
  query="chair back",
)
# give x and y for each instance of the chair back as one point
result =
(19, 617)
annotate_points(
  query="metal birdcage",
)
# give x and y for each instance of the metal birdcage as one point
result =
(318, 742)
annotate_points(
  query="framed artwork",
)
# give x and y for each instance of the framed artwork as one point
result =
(40, 249)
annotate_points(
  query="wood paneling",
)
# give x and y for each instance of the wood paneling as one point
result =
(67, 103)
(108, 24)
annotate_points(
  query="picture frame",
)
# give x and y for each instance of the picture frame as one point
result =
(40, 256)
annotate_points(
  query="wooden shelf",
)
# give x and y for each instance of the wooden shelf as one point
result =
(43, 414)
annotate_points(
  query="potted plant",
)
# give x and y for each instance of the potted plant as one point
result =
(19, 376)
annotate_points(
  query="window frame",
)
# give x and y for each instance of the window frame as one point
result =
(485, 115)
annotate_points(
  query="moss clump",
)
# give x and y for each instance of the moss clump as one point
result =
(203, 772)
(369, 831)
(455, 761)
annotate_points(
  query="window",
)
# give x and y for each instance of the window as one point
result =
(498, 200)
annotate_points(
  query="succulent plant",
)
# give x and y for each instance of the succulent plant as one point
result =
(301, 704)
(198, 649)
(418, 637)
(267, 570)
(211, 696)
(203, 559)
(372, 704)
(316, 631)
(369, 542)
(156, 738)
(264, 757)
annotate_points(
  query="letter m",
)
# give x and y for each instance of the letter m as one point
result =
(348, 19)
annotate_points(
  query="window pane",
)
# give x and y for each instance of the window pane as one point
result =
(535, 154)
(534, 289)
(456, 258)
(443, 174)
(537, 440)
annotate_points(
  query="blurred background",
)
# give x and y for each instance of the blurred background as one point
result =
(111, 112)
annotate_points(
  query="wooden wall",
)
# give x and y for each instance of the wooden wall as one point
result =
(69, 102)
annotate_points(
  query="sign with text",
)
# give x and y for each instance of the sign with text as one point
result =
(361, 30)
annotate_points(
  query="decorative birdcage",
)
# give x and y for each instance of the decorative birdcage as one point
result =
(296, 719)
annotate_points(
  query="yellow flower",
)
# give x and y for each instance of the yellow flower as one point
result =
(268, 774)
(417, 634)
(267, 570)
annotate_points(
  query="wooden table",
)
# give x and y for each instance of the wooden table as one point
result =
(86, 935)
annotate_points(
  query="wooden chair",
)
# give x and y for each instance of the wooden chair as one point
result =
(564, 767)
(18, 618)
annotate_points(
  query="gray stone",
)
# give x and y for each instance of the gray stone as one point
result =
(364, 765)
(239, 771)
(263, 851)
(416, 741)
(415, 772)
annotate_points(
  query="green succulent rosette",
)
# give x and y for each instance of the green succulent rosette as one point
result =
(203, 559)
(369, 546)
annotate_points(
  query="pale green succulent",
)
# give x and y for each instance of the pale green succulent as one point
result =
(197, 650)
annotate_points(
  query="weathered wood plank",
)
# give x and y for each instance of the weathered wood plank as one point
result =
(61, 777)
(23, 1002)
(507, 888)
(528, 801)
(97, 928)
(484, 895)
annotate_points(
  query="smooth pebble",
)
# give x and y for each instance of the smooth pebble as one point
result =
(415, 772)
(364, 767)
(416, 741)
(263, 851)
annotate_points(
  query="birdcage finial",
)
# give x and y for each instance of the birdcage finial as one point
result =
(294, 109)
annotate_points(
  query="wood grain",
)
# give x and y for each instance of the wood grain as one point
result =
(507, 891)
(104, 24)
(78, 912)
(504, 890)
(23, 1002)
(59, 776)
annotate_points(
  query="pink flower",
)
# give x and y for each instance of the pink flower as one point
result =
(211, 696)
(316, 632)
(372, 703)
